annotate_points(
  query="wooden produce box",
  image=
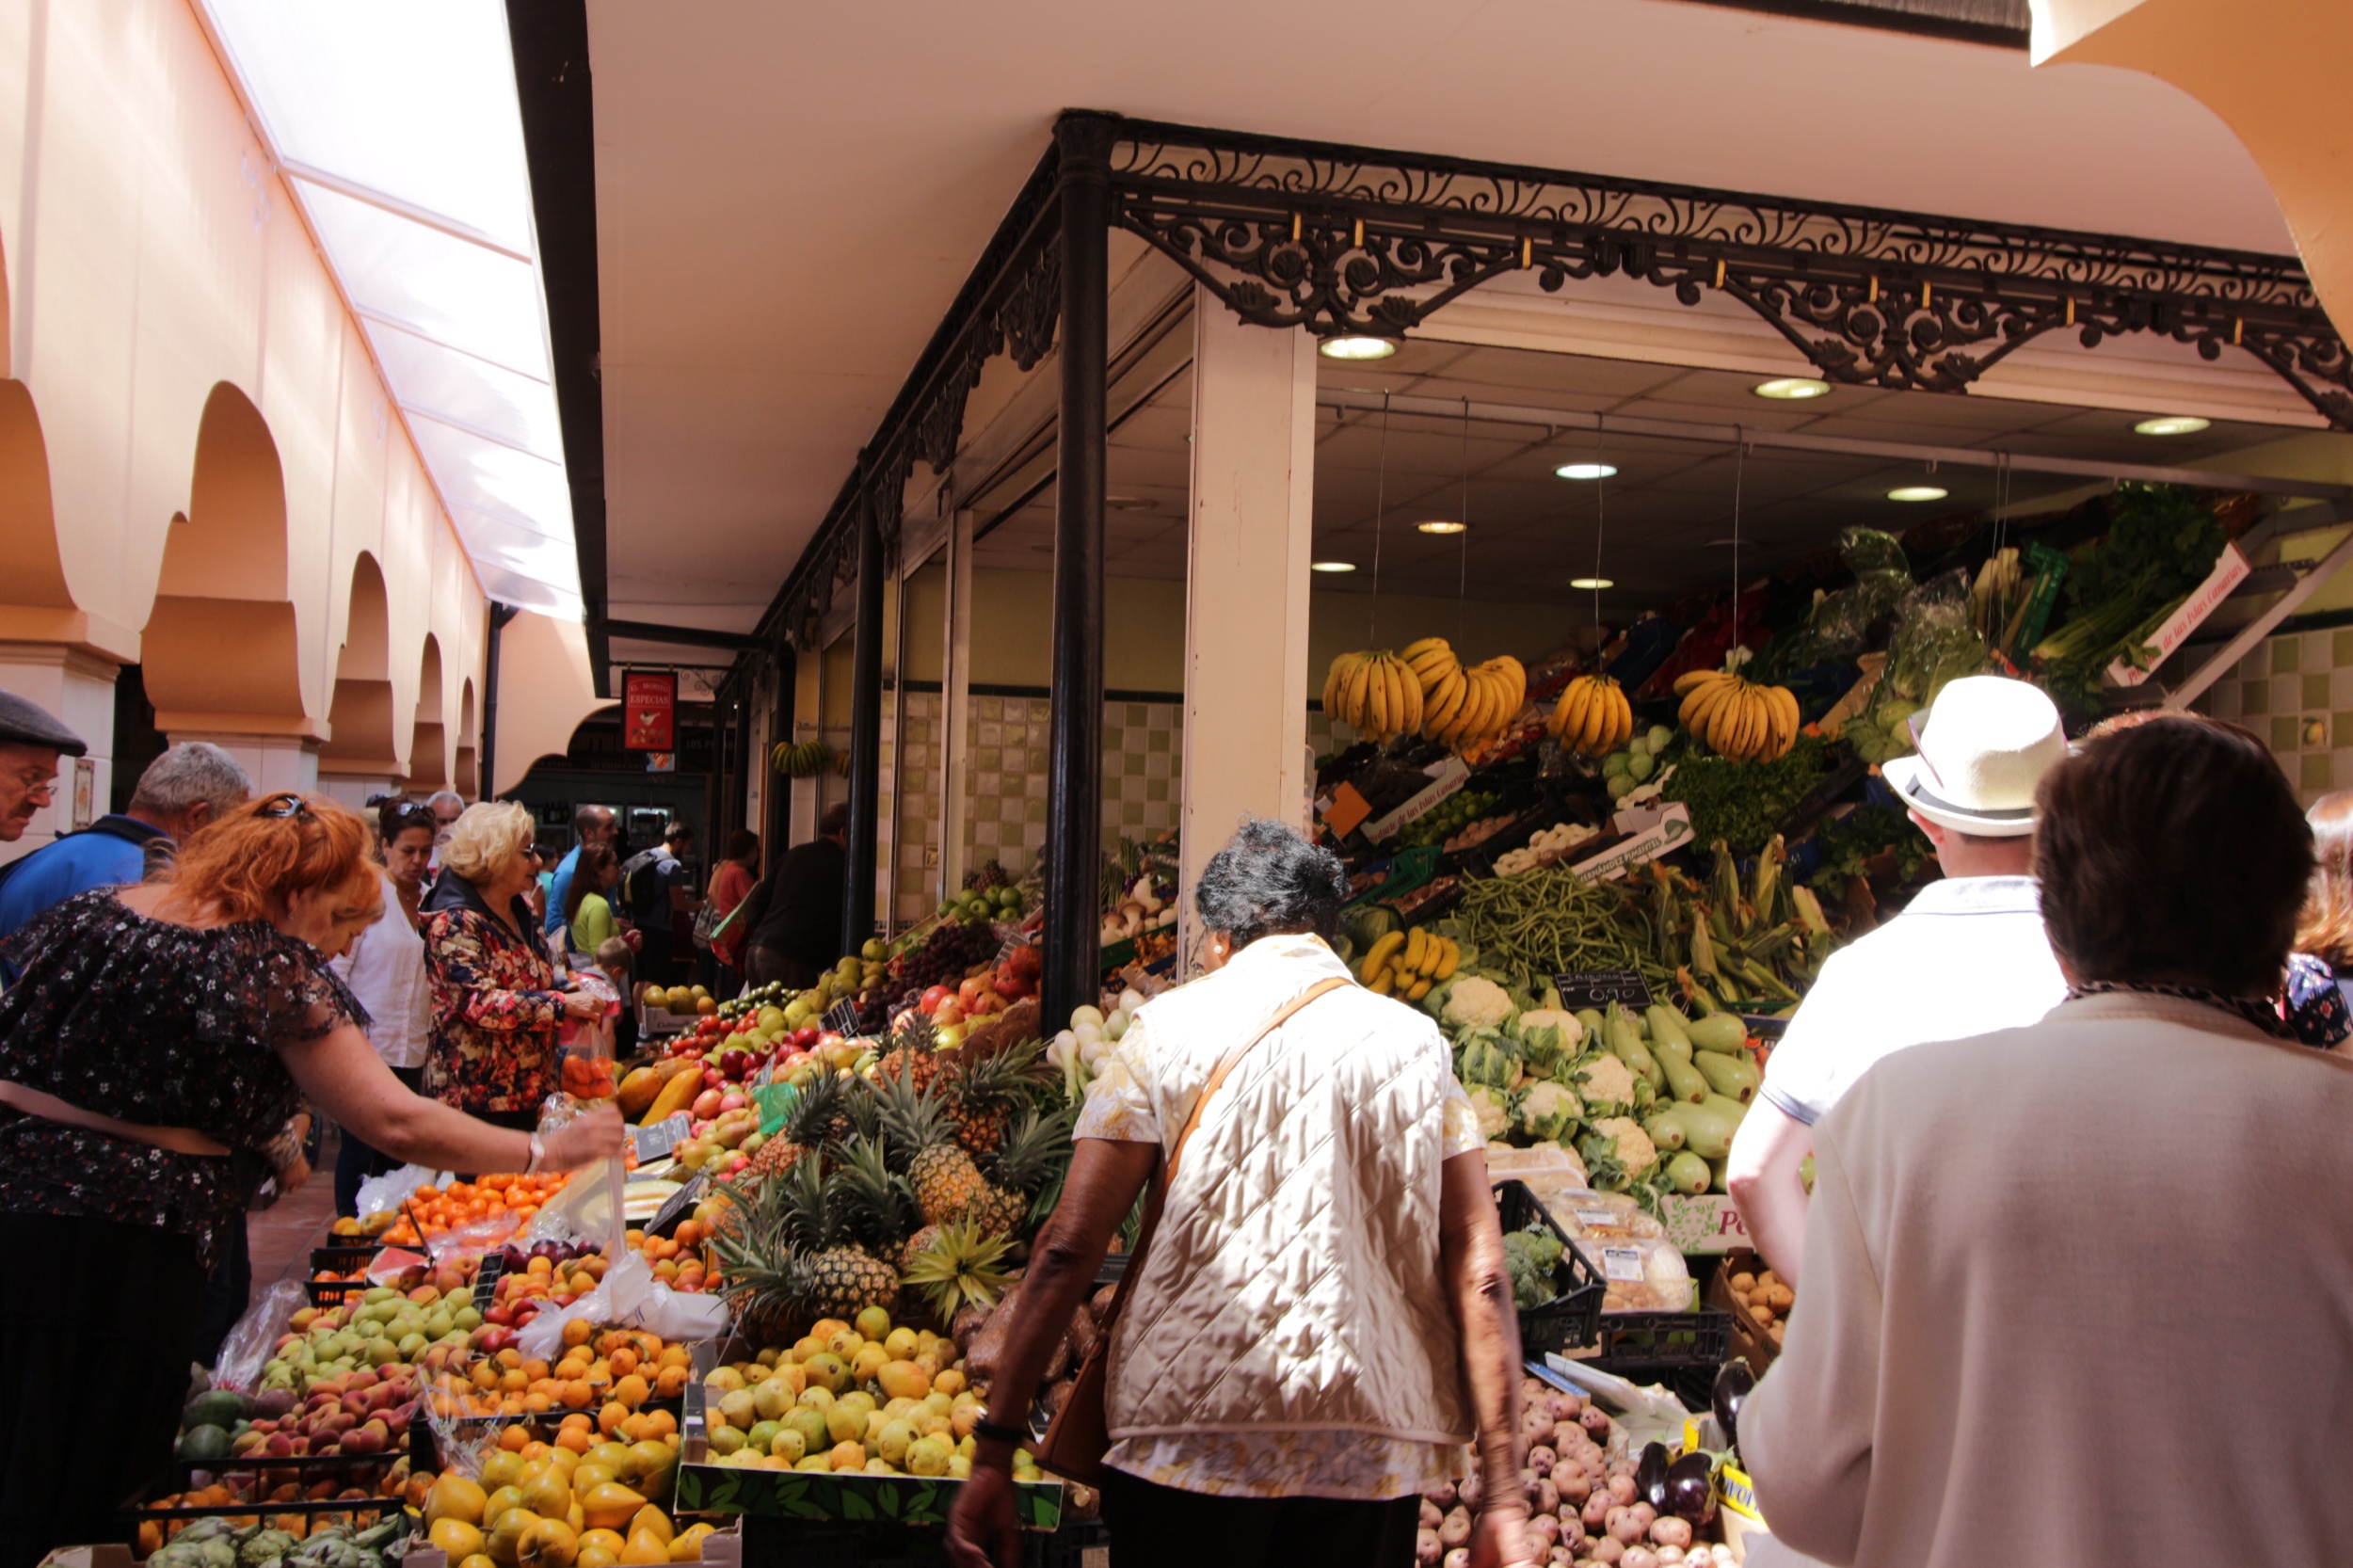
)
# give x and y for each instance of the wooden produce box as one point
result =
(1751, 1338)
(704, 1487)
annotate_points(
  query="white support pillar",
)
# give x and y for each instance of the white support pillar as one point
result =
(78, 689)
(1247, 584)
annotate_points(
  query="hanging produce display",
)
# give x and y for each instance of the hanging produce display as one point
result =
(1592, 716)
(1377, 694)
(1737, 717)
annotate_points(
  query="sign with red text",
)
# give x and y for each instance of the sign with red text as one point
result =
(649, 710)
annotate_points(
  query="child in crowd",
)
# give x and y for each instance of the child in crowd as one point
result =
(614, 956)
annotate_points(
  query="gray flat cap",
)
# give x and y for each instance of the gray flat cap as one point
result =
(23, 723)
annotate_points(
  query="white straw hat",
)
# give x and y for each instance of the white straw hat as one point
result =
(1983, 747)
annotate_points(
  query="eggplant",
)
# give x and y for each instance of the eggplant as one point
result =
(1650, 1476)
(1690, 1489)
(1733, 1382)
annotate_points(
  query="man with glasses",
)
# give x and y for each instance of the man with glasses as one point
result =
(30, 744)
(189, 785)
(1968, 956)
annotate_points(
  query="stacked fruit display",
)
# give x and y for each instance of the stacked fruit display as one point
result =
(583, 1496)
(1624, 772)
(1739, 717)
(1584, 1506)
(291, 1542)
(440, 1209)
(1426, 690)
(1449, 817)
(953, 950)
(1407, 966)
(1592, 716)
(871, 1397)
(1375, 694)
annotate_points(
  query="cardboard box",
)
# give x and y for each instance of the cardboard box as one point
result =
(1750, 1342)
(1671, 831)
(1737, 1514)
(1447, 775)
(1704, 1225)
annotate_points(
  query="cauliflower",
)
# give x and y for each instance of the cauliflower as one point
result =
(1486, 1057)
(1628, 1144)
(1547, 1039)
(1548, 1111)
(1606, 1080)
(1495, 1113)
(1476, 1002)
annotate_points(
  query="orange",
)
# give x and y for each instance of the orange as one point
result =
(577, 1331)
(576, 1394)
(577, 1439)
(513, 1438)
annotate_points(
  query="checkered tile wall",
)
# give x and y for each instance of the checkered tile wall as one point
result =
(2296, 690)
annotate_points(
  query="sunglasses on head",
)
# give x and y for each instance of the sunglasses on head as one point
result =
(286, 805)
(414, 816)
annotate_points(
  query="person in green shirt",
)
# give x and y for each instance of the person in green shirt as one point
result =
(587, 906)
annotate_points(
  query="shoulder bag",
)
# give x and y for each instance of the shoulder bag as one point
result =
(1080, 1435)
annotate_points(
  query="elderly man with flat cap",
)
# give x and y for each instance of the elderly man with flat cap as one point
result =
(30, 744)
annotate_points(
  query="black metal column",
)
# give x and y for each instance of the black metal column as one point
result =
(1074, 815)
(777, 826)
(487, 779)
(857, 891)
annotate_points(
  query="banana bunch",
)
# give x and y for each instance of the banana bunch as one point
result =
(1592, 716)
(1466, 707)
(1377, 694)
(1404, 965)
(806, 759)
(1741, 719)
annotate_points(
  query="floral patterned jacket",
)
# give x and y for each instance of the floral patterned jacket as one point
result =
(495, 1006)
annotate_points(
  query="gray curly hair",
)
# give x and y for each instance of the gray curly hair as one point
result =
(1269, 879)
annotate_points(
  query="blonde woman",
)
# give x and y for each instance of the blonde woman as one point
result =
(496, 1009)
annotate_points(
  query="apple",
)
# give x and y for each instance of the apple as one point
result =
(713, 1077)
(707, 1104)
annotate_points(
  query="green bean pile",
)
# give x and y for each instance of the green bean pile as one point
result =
(1552, 921)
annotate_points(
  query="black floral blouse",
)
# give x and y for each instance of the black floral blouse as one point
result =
(151, 1022)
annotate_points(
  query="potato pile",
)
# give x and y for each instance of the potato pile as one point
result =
(1768, 1299)
(1582, 1504)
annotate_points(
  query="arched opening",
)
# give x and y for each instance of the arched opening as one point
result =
(429, 749)
(463, 777)
(32, 573)
(221, 649)
(363, 738)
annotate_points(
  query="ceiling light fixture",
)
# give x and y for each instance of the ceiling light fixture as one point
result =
(1791, 389)
(2171, 424)
(1919, 492)
(1586, 470)
(1357, 347)
(1331, 566)
(1591, 585)
(1440, 525)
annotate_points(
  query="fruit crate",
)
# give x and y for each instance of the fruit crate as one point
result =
(1572, 1319)
(334, 1292)
(344, 1257)
(1652, 1341)
(304, 1470)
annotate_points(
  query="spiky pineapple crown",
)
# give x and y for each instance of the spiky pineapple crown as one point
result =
(1035, 1150)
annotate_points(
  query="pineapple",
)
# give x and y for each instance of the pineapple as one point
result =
(817, 1119)
(980, 1094)
(946, 1182)
(867, 1201)
(841, 1282)
(918, 1243)
(960, 1266)
(1031, 1165)
(994, 1212)
(914, 1052)
(802, 1248)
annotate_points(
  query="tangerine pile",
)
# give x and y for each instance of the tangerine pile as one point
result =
(678, 1261)
(464, 1203)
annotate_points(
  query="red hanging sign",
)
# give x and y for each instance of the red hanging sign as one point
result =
(649, 710)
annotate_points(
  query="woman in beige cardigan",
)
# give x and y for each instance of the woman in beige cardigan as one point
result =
(2083, 1291)
(1323, 1317)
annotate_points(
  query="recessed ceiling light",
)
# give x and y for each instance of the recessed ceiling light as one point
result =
(1585, 470)
(2171, 424)
(1331, 566)
(1595, 584)
(1792, 388)
(1439, 525)
(1919, 492)
(1356, 349)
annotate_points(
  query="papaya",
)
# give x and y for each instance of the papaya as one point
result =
(675, 1097)
(637, 1091)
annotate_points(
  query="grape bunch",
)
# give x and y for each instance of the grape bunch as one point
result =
(942, 960)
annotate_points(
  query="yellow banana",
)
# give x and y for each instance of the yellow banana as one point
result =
(1359, 682)
(1382, 948)
(1443, 704)
(1702, 707)
(1447, 958)
(1383, 985)
(1422, 989)
(1416, 651)
(1690, 680)
(1334, 682)
(1378, 721)
(1416, 949)
(1567, 714)
(1414, 705)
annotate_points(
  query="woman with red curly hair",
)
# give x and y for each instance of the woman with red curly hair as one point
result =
(158, 1039)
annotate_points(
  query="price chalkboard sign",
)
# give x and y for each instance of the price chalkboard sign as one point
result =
(655, 1141)
(681, 1204)
(1598, 989)
(842, 1017)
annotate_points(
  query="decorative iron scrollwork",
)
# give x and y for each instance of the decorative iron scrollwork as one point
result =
(1348, 240)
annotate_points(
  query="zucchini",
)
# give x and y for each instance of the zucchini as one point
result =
(1684, 1080)
(1706, 1131)
(1730, 1109)
(1716, 1175)
(1591, 1020)
(1666, 1130)
(1688, 1173)
(1733, 1077)
(1667, 1032)
(1626, 1043)
(1720, 1032)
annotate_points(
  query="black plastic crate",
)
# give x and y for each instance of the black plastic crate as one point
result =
(1648, 1341)
(1572, 1319)
(335, 1292)
(342, 1257)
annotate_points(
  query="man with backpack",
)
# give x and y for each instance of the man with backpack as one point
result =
(656, 890)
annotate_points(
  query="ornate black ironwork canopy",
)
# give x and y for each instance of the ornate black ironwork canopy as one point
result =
(1344, 240)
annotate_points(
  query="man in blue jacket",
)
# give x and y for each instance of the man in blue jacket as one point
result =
(186, 787)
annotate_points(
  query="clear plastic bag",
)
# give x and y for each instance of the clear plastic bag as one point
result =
(1588, 1215)
(589, 1208)
(248, 1347)
(1639, 1274)
(385, 1193)
(629, 1296)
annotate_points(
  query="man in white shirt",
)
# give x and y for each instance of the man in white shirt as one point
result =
(1968, 956)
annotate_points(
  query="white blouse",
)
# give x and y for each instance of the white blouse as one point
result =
(385, 969)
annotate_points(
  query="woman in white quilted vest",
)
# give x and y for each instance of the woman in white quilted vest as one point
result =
(1321, 1320)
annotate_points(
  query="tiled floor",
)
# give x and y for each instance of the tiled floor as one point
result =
(279, 1239)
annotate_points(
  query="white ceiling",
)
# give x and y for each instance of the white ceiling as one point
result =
(788, 196)
(398, 130)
